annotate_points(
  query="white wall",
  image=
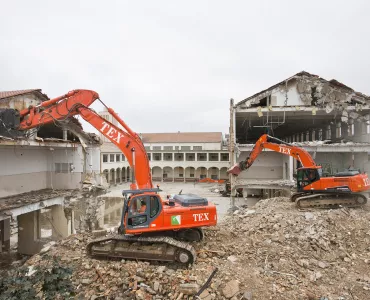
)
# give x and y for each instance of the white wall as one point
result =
(25, 169)
(268, 165)
(338, 162)
(21, 160)
(20, 102)
(293, 96)
(93, 160)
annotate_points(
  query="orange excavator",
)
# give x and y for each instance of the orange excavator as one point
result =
(313, 190)
(151, 228)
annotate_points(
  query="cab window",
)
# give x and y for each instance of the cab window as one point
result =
(154, 206)
(300, 175)
(138, 205)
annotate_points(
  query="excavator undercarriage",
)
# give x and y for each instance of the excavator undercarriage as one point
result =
(160, 248)
(328, 200)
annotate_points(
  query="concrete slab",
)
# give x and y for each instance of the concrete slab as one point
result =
(264, 184)
(19, 204)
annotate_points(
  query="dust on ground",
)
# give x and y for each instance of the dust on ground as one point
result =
(268, 251)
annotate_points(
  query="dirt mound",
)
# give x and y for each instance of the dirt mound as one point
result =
(272, 251)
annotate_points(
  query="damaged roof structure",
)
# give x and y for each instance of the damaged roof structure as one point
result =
(325, 117)
(12, 102)
(63, 147)
(278, 108)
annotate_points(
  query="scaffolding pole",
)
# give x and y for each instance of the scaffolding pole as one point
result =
(232, 152)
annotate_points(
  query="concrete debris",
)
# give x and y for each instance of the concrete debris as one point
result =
(309, 216)
(188, 288)
(232, 258)
(231, 289)
(248, 296)
(99, 233)
(278, 252)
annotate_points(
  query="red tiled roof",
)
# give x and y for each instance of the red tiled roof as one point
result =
(182, 137)
(7, 94)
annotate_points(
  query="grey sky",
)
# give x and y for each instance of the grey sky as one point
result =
(173, 65)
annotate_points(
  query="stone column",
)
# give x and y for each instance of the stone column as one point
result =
(5, 235)
(29, 233)
(61, 219)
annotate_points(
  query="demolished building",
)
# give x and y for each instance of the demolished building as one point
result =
(39, 169)
(325, 117)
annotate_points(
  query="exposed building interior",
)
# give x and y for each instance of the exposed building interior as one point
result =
(325, 117)
(41, 169)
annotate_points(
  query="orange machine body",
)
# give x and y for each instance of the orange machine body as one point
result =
(161, 215)
(339, 183)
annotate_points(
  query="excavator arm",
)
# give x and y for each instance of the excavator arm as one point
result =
(77, 102)
(269, 142)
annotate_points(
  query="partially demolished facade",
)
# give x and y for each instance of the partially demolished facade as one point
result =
(41, 168)
(58, 156)
(327, 118)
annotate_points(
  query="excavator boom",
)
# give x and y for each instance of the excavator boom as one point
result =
(274, 144)
(77, 102)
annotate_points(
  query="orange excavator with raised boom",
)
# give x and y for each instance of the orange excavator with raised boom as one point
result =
(151, 228)
(313, 190)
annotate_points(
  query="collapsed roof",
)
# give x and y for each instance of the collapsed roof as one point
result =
(298, 104)
(313, 90)
(11, 102)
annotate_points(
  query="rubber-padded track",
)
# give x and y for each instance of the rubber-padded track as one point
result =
(330, 200)
(142, 248)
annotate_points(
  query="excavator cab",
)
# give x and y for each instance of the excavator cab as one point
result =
(143, 209)
(306, 176)
(140, 209)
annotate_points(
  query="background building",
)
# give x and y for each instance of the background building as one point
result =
(180, 156)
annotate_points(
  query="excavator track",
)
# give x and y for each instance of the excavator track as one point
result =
(330, 201)
(142, 248)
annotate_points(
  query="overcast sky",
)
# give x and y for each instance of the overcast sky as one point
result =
(168, 66)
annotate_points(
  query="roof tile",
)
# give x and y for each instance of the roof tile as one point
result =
(7, 94)
(182, 137)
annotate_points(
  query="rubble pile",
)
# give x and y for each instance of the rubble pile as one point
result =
(272, 251)
(292, 254)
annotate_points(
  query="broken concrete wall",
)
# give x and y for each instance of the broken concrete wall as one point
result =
(361, 161)
(336, 162)
(21, 101)
(268, 165)
(22, 170)
(65, 167)
(286, 95)
(25, 169)
(361, 131)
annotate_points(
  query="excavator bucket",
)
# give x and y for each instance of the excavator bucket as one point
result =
(235, 170)
(9, 121)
